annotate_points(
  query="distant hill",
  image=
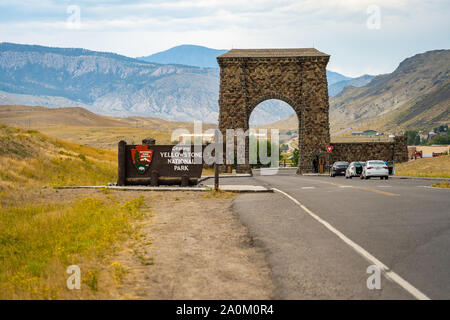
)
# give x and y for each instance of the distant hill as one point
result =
(334, 77)
(335, 88)
(34, 116)
(81, 126)
(191, 55)
(415, 95)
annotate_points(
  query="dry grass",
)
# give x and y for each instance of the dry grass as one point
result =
(106, 137)
(426, 167)
(444, 184)
(38, 242)
(30, 159)
(40, 237)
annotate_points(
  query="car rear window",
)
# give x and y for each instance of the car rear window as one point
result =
(341, 164)
(377, 163)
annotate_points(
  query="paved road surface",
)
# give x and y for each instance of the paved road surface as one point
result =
(402, 223)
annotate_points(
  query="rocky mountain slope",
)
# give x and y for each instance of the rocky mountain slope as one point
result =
(415, 95)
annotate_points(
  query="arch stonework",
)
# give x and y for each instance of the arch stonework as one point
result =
(295, 76)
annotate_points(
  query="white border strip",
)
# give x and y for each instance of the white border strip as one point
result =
(389, 274)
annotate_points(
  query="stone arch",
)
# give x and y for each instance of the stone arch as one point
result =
(295, 76)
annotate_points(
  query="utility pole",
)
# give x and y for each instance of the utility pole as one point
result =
(216, 155)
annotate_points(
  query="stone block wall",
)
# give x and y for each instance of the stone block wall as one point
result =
(396, 150)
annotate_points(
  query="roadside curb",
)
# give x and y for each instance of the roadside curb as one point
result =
(229, 188)
(240, 175)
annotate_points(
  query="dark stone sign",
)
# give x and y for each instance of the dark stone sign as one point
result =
(150, 164)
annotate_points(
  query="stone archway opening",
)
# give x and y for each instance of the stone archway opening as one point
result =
(277, 114)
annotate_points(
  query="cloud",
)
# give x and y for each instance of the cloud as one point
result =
(137, 28)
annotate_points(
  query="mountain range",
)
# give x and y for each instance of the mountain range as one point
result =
(106, 83)
(180, 84)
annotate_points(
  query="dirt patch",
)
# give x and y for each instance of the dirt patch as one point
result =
(198, 250)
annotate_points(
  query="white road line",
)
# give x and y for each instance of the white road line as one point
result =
(384, 186)
(389, 274)
(345, 186)
(308, 187)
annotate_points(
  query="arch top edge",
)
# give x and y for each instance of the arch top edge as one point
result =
(253, 103)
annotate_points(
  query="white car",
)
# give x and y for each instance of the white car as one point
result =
(354, 169)
(375, 168)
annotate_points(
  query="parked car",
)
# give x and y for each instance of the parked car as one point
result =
(354, 169)
(338, 168)
(375, 168)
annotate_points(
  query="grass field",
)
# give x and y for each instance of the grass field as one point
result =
(42, 231)
(425, 167)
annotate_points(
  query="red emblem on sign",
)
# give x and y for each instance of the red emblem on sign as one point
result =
(142, 158)
(329, 148)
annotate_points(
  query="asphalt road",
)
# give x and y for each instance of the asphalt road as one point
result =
(402, 223)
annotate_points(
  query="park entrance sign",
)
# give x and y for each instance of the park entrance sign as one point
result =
(150, 164)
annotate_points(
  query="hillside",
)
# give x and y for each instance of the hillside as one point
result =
(34, 116)
(29, 158)
(414, 95)
(81, 126)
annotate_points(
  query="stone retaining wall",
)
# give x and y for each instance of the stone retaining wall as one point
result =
(389, 151)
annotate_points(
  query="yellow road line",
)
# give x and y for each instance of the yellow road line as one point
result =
(356, 187)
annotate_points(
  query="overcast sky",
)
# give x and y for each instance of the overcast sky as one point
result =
(362, 36)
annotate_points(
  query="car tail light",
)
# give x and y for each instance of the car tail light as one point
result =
(369, 167)
(385, 167)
